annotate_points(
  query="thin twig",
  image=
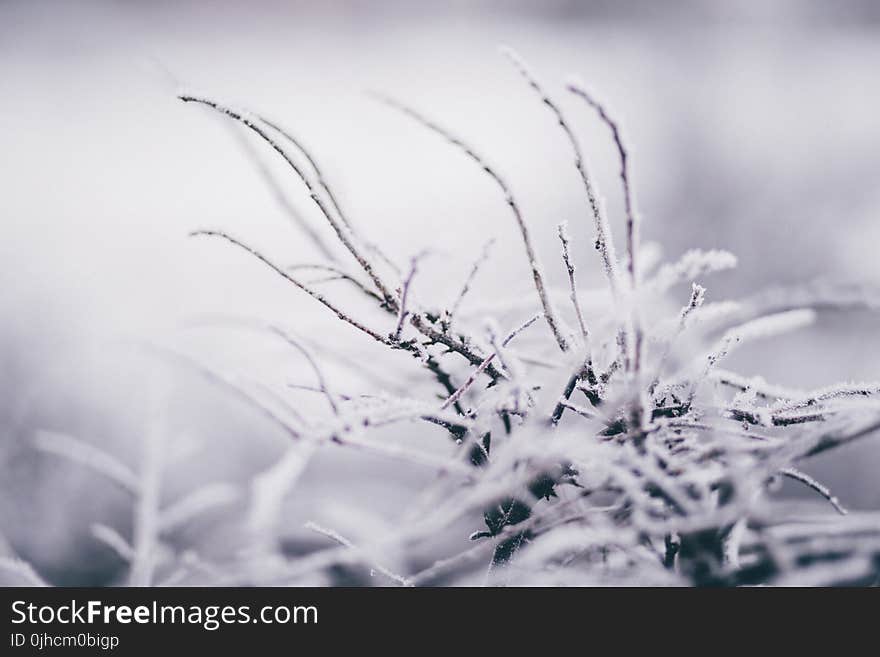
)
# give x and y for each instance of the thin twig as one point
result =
(580, 410)
(455, 396)
(342, 231)
(295, 217)
(833, 440)
(293, 431)
(421, 322)
(426, 327)
(584, 370)
(604, 241)
(698, 296)
(278, 270)
(808, 481)
(633, 219)
(569, 266)
(632, 216)
(319, 175)
(537, 274)
(341, 435)
(340, 275)
(319, 374)
(335, 536)
(483, 257)
(322, 182)
(403, 311)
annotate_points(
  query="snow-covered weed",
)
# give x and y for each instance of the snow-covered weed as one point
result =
(619, 451)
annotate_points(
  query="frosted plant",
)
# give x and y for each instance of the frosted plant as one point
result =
(617, 452)
(616, 459)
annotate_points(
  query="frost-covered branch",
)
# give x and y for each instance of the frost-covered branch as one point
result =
(472, 274)
(319, 374)
(343, 232)
(632, 217)
(320, 298)
(295, 216)
(335, 536)
(537, 271)
(569, 267)
(457, 394)
(809, 482)
(403, 311)
(604, 241)
(646, 481)
(338, 274)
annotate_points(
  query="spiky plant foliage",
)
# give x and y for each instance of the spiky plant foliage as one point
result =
(616, 452)
(620, 459)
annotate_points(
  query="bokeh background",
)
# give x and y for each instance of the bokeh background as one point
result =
(753, 127)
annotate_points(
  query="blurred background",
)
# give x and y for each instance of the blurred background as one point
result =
(752, 126)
